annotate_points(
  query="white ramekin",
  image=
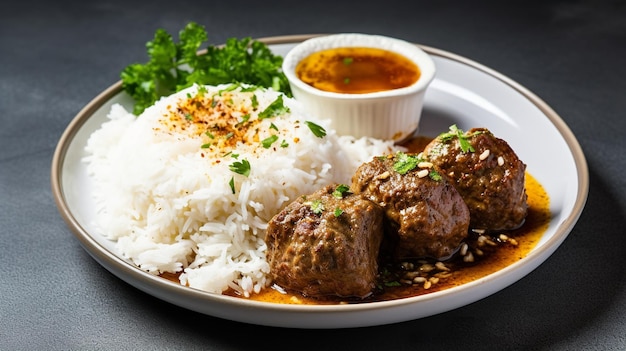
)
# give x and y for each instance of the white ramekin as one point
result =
(391, 114)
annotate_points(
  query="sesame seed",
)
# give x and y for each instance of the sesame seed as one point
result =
(411, 275)
(468, 258)
(423, 173)
(500, 161)
(427, 267)
(383, 175)
(425, 164)
(464, 248)
(484, 155)
(441, 266)
(407, 265)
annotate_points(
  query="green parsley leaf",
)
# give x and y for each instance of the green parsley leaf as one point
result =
(340, 191)
(434, 175)
(338, 212)
(455, 132)
(284, 144)
(317, 206)
(245, 118)
(317, 130)
(267, 142)
(173, 66)
(404, 163)
(255, 101)
(231, 183)
(242, 167)
(276, 108)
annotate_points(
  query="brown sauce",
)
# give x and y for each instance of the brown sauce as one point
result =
(490, 253)
(357, 70)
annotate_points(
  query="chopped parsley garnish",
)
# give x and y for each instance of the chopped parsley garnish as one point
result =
(455, 132)
(317, 130)
(338, 212)
(276, 108)
(340, 190)
(405, 163)
(317, 207)
(230, 87)
(231, 183)
(255, 101)
(242, 167)
(173, 66)
(245, 118)
(202, 90)
(267, 142)
(348, 61)
(434, 175)
(284, 144)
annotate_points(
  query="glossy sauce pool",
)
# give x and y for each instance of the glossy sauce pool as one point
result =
(357, 70)
(492, 254)
(496, 252)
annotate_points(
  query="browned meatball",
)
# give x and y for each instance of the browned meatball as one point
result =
(326, 243)
(486, 172)
(426, 216)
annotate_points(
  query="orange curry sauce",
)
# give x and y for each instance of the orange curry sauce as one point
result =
(357, 70)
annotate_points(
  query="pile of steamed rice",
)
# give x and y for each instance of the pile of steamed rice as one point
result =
(168, 196)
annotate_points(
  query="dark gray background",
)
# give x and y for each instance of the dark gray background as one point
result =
(56, 56)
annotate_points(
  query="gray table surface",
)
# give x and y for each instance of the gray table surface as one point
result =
(56, 56)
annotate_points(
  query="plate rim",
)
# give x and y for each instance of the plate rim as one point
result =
(171, 291)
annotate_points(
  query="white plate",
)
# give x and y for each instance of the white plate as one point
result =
(463, 92)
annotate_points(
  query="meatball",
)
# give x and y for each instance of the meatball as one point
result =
(326, 243)
(425, 215)
(486, 172)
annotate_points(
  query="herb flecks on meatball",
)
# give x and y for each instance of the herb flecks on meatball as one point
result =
(486, 172)
(425, 215)
(326, 243)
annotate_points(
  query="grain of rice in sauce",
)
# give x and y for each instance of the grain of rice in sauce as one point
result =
(172, 194)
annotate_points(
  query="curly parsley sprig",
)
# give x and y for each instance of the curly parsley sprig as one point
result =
(173, 66)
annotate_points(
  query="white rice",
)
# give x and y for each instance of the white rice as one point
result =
(167, 203)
